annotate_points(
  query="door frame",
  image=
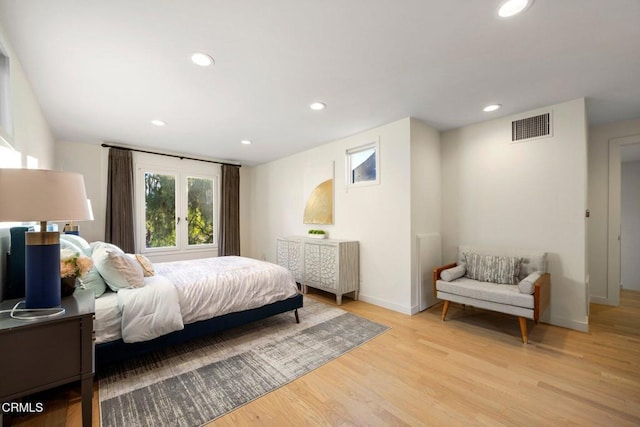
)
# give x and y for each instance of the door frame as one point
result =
(614, 256)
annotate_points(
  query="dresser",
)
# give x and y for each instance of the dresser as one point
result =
(330, 265)
(41, 354)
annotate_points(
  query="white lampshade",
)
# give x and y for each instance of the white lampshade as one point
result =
(42, 195)
(90, 209)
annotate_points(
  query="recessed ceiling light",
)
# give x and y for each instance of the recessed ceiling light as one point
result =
(201, 59)
(492, 107)
(513, 7)
(245, 142)
(317, 106)
(158, 122)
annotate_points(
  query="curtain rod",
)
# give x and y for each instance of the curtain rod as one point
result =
(177, 156)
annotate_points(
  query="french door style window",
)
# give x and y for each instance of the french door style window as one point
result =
(179, 210)
(200, 210)
(160, 210)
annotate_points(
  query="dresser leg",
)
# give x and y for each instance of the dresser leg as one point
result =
(339, 299)
(86, 389)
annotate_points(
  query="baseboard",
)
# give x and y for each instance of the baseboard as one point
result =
(599, 300)
(570, 323)
(385, 304)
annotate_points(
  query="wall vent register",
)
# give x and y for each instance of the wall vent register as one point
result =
(531, 127)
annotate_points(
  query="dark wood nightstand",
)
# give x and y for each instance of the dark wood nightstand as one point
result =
(37, 355)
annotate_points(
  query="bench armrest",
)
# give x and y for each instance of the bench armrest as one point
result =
(436, 274)
(541, 295)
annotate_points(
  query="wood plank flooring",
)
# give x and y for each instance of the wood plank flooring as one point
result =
(470, 370)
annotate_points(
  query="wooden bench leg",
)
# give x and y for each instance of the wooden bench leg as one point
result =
(445, 307)
(523, 329)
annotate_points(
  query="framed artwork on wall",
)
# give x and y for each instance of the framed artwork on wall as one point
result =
(318, 194)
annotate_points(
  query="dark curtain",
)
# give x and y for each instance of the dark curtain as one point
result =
(229, 231)
(119, 218)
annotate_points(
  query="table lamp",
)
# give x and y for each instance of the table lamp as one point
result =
(42, 195)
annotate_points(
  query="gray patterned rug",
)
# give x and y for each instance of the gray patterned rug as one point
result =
(197, 382)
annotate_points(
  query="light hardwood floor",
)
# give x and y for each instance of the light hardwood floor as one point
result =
(470, 370)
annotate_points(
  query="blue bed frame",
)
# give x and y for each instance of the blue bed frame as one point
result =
(115, 351)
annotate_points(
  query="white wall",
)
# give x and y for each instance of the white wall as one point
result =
(90, 160)
(425, 212)
(378, 216)
(31, 133)
(597, 225)
(529, 195)
(630, 225)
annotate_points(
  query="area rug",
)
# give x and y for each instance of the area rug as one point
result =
(197, 382)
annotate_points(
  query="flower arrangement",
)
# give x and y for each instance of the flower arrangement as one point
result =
(74, 264)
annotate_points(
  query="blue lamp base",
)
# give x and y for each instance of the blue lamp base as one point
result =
(42, 278)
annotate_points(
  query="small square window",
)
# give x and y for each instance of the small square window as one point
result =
(363, 165)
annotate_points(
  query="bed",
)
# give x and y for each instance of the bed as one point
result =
(177, 301)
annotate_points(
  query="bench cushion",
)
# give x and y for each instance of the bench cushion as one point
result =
(500, 294)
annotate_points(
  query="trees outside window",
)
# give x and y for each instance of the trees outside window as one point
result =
(179, 210)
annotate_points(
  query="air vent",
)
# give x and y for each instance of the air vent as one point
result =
(531, 127)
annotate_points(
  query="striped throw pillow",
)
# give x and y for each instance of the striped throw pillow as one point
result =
(490, 268)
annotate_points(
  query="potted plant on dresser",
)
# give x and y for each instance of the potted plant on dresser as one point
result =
(317, 234)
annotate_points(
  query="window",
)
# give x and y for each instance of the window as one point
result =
(179, 210)
(363, 165)
(5, 105)
(160, 210)
(10, 158)
(200, 210)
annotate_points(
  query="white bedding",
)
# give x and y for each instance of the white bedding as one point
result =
(150, 311)
(206, 288)
(107, 324)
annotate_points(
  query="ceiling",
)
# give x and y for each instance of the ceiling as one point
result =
(102, 69)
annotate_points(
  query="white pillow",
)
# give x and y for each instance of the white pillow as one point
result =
(78, 241)
(528, 284)
(110, 246)
(454, 273)
(116, 268)
(92, 279)
(66, 244)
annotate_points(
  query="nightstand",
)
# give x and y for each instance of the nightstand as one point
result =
(41, 354)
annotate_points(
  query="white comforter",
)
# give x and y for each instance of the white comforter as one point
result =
(150, 311)
(212, 287)
(184, 292)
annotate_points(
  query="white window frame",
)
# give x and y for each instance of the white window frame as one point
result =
(349, 158)
(182, 235)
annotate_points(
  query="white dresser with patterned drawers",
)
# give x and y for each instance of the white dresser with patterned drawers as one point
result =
(327, 264)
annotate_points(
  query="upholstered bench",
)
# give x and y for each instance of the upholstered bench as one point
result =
(511, 281)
